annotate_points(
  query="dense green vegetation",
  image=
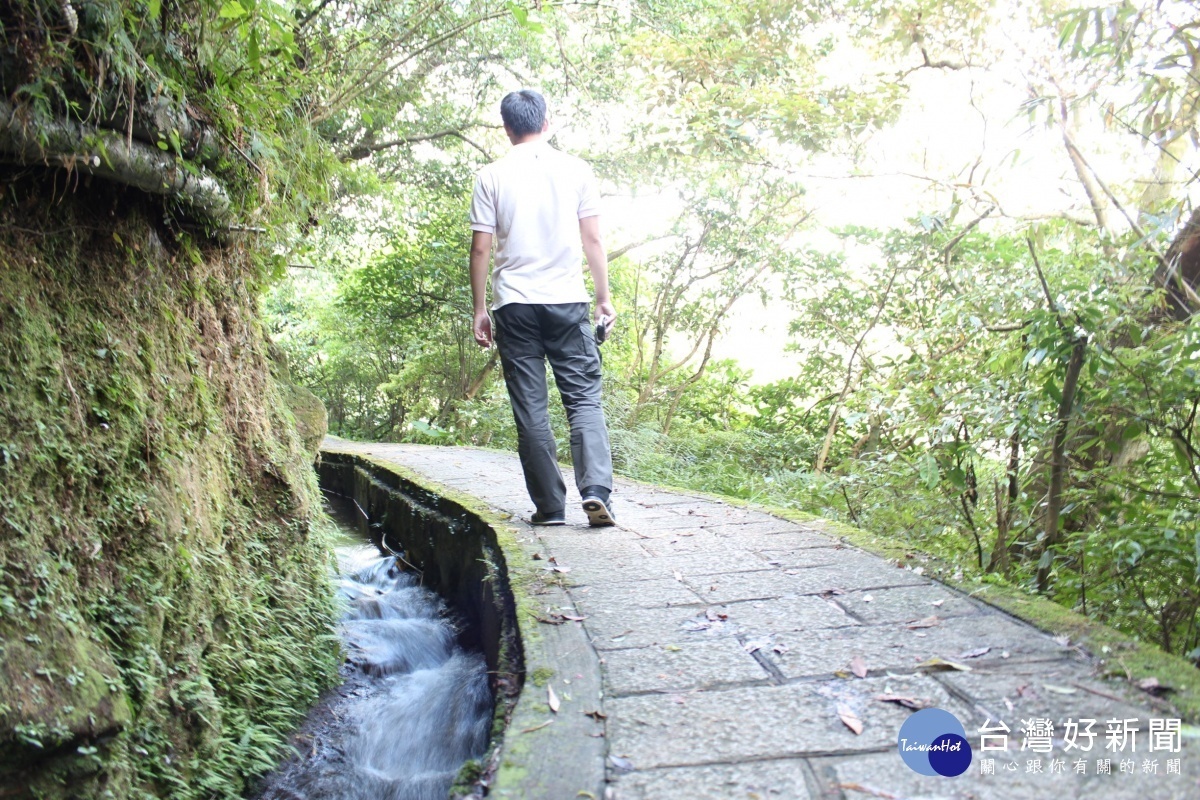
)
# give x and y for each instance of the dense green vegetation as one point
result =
(1008, 384)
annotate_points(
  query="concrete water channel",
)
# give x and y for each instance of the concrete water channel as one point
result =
(708, 650)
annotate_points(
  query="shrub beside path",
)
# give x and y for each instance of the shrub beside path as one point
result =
(748, 656)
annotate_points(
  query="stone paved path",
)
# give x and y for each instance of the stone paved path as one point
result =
(729, 640)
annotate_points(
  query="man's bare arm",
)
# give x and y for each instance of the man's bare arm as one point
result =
(593, 250)
(481, 254)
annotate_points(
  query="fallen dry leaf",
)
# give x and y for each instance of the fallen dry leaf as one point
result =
(572, 617)
(552, 698)
(868, 598)
(858, 666)
(849, 718)
(938, 602)
(976, 653)
(780, 648)
(1152, 686)
(596, 715)
(678, 576)
(751, 647)
(943, 664)
(903, 700)
(537, 727)
(1049, 687)
(714, 615)
(858, 787)
(928, 622)
(537, 557)
(621, 763)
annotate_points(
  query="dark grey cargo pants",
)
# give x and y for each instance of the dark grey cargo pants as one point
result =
(526, 335)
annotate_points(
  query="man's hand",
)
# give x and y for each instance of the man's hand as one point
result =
(483, 328)
(606, 311)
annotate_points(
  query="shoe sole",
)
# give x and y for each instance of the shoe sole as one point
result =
(597, 513)
(548, 522)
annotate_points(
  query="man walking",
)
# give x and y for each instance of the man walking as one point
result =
(538, 205)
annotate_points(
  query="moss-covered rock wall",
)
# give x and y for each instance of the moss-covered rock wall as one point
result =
(165, 611)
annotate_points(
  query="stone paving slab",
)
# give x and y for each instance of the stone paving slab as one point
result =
(613, 629)
(890, 647)
(907, 603)
(783, 779)
(679, 594)
(761, 722)
(680, 667)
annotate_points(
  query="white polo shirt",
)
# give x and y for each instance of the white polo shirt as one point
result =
(531, 200)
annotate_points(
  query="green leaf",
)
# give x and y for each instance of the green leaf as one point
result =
(254, 52)
(154, 8)
(1181, 455)
(232, 10)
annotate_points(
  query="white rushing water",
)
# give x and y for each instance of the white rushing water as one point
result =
(426, 710)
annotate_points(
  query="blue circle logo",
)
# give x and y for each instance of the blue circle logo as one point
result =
(934, 742)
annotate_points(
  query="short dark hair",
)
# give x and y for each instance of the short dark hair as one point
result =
(523, 112)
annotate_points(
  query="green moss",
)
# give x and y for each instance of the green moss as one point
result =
(541, 676)
(164, 579)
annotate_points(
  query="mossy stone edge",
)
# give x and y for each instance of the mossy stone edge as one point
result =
(534, 752)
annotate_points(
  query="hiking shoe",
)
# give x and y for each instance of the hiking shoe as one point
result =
(598, 510)
(555, 518)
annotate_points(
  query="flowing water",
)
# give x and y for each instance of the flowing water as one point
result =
(414, 706)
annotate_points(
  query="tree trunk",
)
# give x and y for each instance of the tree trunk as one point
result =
(1180, 274)
(1058, 465)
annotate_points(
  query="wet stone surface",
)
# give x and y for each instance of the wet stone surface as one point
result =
(677, 597)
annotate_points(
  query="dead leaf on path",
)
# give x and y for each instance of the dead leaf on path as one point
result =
(780, 648)
(673, 648)
(537, 557)
(1062, 641)
(913, 703)
(678, 576)
(552, 698)
(714, 615)
(928, 622)
(572, 617)
(938, 602)
(751, 647)
(858, 666)
(554, 619)
(976, 653)
(1152, 686)
(828, 593)
(596, 715)
(849, 718)
(868, 599)
(942, 664)
(620, 763)
(858, 787)
(1049, 687)
(537, 727)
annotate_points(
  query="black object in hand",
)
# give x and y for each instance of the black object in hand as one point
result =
(602, 329)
